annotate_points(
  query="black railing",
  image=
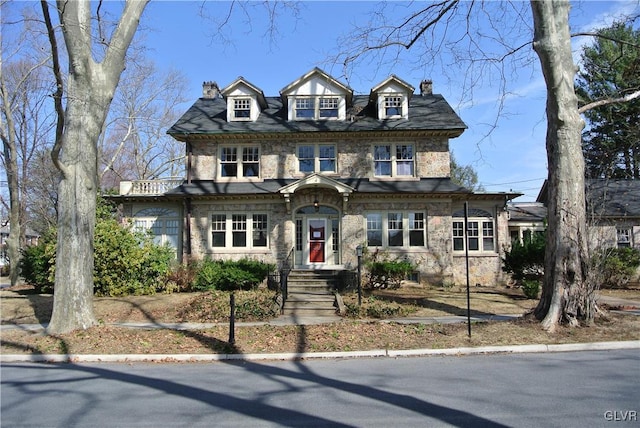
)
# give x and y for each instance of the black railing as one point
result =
(285, 268)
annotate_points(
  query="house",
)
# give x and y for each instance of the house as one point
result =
(613, 213)
(308, 176)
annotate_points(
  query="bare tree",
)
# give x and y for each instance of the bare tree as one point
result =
(25, 120)
(135, 145)
(89, 89)
(484, 38)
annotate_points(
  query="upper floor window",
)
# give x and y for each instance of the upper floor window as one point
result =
(624, 237)
(392, 106)
(242, 108)
(393, 160)
(243, 161)
(396, 229)
(480, 231)
(317, 158)
(317, 108)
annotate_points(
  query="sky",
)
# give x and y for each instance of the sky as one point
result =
(512, 158)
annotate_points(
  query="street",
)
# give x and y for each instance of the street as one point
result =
(576, 389)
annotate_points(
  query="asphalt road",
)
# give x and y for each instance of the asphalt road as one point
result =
(573, 389)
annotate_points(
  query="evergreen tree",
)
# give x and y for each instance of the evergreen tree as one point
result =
(611, 69)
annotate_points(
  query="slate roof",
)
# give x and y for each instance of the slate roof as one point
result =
(430, 186)
(613, 198)
(527, 211)
(207, 116)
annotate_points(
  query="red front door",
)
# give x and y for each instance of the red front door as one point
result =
(317, 240)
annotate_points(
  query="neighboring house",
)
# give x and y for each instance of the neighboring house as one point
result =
(311, 174)
(613, 213)
(30, 236)
(526, 219)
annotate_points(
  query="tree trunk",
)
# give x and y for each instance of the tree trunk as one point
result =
(567, 295)
(90, 90)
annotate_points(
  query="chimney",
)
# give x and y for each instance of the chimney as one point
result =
(210, 90)
(426, 87)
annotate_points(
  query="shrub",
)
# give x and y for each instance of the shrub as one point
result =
(525, 260)
(127, 262)
(37, 265)
(616, 266)
(531, 288)
(244, 274)
(385, 273)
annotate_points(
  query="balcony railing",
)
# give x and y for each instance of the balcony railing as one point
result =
(148, 187)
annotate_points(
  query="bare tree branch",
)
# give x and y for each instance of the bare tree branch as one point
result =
(608, 101)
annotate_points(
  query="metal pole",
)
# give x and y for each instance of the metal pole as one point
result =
(466, 256)
(359, 253)
(232, 319)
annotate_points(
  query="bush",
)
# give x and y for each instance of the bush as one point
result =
(525, 260)
(227, 275)
(531, 288)
(385, 273)
(37, 265)
(124, 262)
(127, 262)
(616, 266)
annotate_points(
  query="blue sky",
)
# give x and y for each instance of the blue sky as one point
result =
(511, 158)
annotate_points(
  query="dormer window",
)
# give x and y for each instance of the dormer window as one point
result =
(317, 108)
(393, 106)
(242, 108)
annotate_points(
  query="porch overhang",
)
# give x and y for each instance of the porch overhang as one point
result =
(315, 181)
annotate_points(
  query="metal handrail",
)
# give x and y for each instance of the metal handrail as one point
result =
(284, 276)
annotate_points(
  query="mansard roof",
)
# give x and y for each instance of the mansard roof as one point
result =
(207, 117)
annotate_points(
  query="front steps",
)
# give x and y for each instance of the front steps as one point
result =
(310, 293)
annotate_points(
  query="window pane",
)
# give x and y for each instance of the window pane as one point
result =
(382, 160)
(458, 235)
(404, 157)
(259, 230)
(228, 162)
(327, 154)
(218, 227)
(393, 106)
(416, 229)
(487, 236)
(394, 227)
(306, 158)
(242, 108)
(374, 230)
(239, 230)
(328, 107)
(304, 108)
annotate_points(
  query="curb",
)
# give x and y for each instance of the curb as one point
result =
(295, 356)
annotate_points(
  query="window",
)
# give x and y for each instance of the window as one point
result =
(329, 108)
(162, 223)
(480, 231)
(624, 237)
(395, 160)
(246, 165)
(396, 229)
(242, 108)
(239, 230)
(317, 158)
(392, 106)
(314, 108)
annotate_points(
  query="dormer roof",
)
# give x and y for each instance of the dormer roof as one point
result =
(241, 83)
(393, 84)
(316, 73)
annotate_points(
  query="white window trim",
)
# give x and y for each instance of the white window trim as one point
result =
(406, 230)
(315, 104)
(233, 114)
(479, 221)
(382, 108)
(394, 161)
(239, 163)
(316, 158)
(228, 247)
(624, 236)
